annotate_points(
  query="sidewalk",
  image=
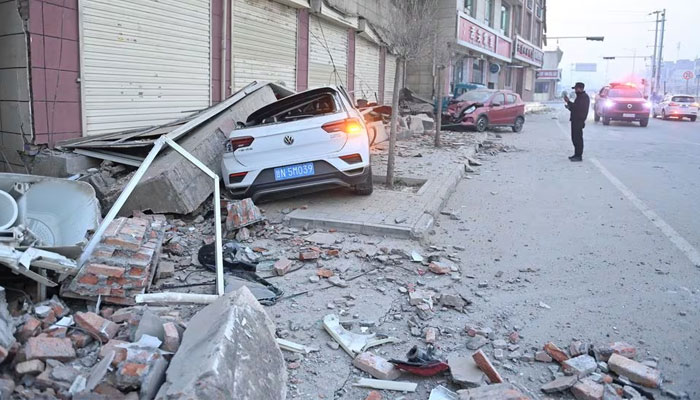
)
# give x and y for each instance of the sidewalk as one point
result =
(426, 178)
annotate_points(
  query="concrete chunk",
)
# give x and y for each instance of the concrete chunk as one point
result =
(587, 390)
(228, 351)
(560, 384)
(579, 366)
(376, 366)
(464, 371)
(501, 391)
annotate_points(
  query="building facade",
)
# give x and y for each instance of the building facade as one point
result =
(547, 78)
(74, 68)
(497, 43)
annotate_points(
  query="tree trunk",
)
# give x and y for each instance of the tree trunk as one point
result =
(438, 114)
(393, 130)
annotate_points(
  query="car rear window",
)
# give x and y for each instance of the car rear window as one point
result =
(624, 92)
(683, 99)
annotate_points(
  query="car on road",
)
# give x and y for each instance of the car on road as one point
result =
(677, 106)
(482, 108)
(621, 102)
(308, 141)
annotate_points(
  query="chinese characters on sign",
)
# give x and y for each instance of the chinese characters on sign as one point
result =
(476, 36)
(528, 53)
(548, 74)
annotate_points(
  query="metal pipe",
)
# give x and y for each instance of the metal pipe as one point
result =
(224, 25)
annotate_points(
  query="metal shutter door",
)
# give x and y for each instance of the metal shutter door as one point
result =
(143, 62)
(389, 73)
(325, 37)
(264, 43)
(366, 70)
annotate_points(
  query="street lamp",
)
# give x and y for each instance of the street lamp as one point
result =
(591, 38)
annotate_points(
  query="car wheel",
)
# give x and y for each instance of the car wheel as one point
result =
(663, 114)
(596, 117)
(367, 187)
(693, 118)
(518, 126)
(606, 121)
(643, 122)
(481, 123)
(653, 113)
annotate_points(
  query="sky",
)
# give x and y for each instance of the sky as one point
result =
(627, 28)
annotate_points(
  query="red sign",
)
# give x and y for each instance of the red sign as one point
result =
(479, 38)
(524, 51)
(547, 74)
(688, 75)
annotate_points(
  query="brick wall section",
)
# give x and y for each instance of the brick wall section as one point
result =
(55, 69)
(124, 262)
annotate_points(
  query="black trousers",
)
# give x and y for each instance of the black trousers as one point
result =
(577, 137)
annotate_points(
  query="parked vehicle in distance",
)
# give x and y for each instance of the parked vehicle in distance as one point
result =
(460, 89)
(677, 106)
(309, 141)
(621, 102)
(482, 108)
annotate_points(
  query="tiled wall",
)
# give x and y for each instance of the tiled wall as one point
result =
(15, 115)
(55, 66)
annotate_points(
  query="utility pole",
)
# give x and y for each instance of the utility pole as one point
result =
(653, 57)
(661, 49)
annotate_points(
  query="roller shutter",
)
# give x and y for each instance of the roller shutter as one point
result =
(326, 40)
(143, 62)
(389, 73)
(264, 42)
(366, 70)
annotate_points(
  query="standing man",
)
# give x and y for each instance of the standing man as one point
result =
(579, 113)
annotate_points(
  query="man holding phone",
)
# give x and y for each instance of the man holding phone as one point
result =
(579, 113)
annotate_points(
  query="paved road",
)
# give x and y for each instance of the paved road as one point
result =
(615, 238)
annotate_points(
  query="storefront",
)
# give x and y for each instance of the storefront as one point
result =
(546, 84)
(526, 59)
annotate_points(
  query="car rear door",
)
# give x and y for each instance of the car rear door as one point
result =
(285, 143)
(498, 111)
(512, 108)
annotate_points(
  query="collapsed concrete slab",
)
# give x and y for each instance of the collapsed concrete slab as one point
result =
(180, 185)
(228, 352)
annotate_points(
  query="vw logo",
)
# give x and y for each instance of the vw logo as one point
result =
(288, 140)
(629, 106)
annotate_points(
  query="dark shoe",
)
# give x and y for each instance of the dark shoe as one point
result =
(575, 159)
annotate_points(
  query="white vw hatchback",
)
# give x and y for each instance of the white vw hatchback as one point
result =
(309, 141)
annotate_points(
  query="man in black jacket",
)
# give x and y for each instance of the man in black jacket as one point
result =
(579, 113)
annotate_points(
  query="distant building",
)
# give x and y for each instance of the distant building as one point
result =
(546, 79)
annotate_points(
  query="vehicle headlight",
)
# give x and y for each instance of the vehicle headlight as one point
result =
(469, 109)
(647, 104)
(609, 103)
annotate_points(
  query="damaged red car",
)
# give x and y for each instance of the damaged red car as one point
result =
(483, 108)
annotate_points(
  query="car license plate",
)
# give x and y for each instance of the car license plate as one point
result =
(294, 171)
(628, 115)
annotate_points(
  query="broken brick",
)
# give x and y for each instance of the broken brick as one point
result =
(587, 390)
(555, 352)
(96, 325)
(430, 335)
(43, 348)
(577, 348)
(376, 366)
(105, 270)
(514, 337)
(171, 341)
(333, 253)
(308, 255)
(374, 395)
(107, 312)
(31, 327)
(603, 352)
(634, 371)
(282, 266)
(324, 273)
(560, 384)
(80, 339)
(438, 268)
(3, 354)
(120, 353)
(485, 365)
(33, 367)
(88, 279)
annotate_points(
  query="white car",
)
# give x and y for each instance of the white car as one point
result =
(309, 141)
(677, 106)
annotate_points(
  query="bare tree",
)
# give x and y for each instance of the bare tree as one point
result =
(441, 59)
(410, 32)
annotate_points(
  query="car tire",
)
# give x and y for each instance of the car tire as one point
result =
(367, 187)
(481, 123)
(644, 122)
(518, 126)
(663, 115)
(596, 117)
(606, 121)
(693, 118)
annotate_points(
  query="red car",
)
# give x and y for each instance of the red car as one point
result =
(621, 102)
(482, 108)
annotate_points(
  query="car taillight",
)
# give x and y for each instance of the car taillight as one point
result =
(352, 158)
(672, 104)
(237, 177)
(351, 126)
(237, 143)
(696, 104)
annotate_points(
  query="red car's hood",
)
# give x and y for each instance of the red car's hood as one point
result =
(456, 107)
